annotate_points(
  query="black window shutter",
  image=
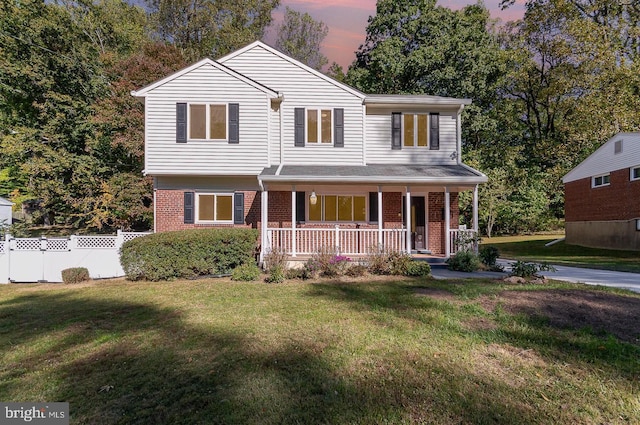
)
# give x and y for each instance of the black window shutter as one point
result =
(234, 123)
(181, 122)
(300, 207)
(396, 130)
(189, 210)
(238, 208)
(338, 128)
(373, 207)
(434, 131)
(299, 127)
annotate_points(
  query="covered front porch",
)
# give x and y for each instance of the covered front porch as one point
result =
(356, 209)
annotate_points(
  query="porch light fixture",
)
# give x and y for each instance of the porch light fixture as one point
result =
(313, 199)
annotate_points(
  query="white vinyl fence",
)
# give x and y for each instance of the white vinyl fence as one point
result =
(43, 259)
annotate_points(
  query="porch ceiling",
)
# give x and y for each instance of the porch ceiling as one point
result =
(403, 174)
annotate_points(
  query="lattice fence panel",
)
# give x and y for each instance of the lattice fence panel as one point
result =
(129, 236)
(2, 247)
(28, 244)
(57, 244)
(90, 242)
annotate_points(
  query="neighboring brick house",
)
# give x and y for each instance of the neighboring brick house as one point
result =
(259, 139)
(602, 196)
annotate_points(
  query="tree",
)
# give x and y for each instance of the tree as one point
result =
(300, 37)
(210, 28)
(336, 72)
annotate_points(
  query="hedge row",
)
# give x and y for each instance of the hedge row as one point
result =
(188, 253)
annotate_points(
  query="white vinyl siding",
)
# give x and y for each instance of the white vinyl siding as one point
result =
(302, 89)
(378, 140)
(205, 85)
(605, 160)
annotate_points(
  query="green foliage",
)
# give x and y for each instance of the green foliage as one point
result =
(187, 253)
(526, 269)
(276, 275)
(300, 37)
(75, 275)
(418, 269)
(464, 261)
(489, 255)
(383, 261)
(246, 272)
(327, 262)
(356, 270)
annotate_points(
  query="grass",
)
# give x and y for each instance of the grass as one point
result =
(532, 248)
(214, 351)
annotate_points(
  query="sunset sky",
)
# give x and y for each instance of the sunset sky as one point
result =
(347, 21)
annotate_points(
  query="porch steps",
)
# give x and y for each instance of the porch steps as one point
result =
(439, 262)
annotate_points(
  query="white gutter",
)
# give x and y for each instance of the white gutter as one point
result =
(369, 179)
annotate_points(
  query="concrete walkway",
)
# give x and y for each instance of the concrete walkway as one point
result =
(624, 280)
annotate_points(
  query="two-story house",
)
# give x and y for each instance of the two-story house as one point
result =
(259, 139)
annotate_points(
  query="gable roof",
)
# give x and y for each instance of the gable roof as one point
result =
(5, 202)
(206, 61)
(295, 62)
(605, 160)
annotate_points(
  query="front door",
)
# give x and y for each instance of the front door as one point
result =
(418, 223)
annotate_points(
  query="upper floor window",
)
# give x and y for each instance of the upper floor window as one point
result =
(602, 180)
(214, 208)
(635, 173)
(208, 121)
(319, 127)
(415, 130)
(333, 208)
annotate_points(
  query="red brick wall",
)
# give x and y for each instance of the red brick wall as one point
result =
(620, 200)
(436, 220)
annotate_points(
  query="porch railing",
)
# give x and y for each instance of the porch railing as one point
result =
(345, 241)
(462, 239)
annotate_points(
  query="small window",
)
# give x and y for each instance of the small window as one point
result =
(415, 130)
(319, 126)
(334, 208)
(602, 180)
(635, 173)
(617, 147)
(214, 208)
(207, 122)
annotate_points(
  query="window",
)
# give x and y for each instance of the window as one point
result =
(214, 208)
(415, 130)
(208, 122)
(319, 126)
(635, 173)
(332, 208)
(602, 180)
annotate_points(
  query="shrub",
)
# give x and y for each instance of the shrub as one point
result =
(489, 256)
(276, 275)
(75, 275)
(525, 269)
(187, 253)
(327, 262)
(418, 268)
(275, 258)
(356, 270)
(388, 262)
(246, 272)
(464, 261)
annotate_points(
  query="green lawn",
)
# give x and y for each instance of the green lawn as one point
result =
(532, 248)
(213, 351)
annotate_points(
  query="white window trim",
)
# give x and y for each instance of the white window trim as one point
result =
(631, 178)
(306, 125)
(415, 130)
(593, 180)
(215, 208)
(207, 117)
(322, 220)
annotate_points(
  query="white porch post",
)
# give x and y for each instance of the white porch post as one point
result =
(264, 218)
(475, 209)
(447, 223)
(293, 221)
(407, 219)
(379, 216)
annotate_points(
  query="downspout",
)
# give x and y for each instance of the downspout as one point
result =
(155, 204)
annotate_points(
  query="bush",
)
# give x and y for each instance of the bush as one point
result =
(276, 275)
(246, 272)
(356, 270)
(489, 256)
(188, 253)
(327, 262)
(75, 275)
(524, 269)
(464, 261)
(388, 262)
(275, 258)
(418, 269)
